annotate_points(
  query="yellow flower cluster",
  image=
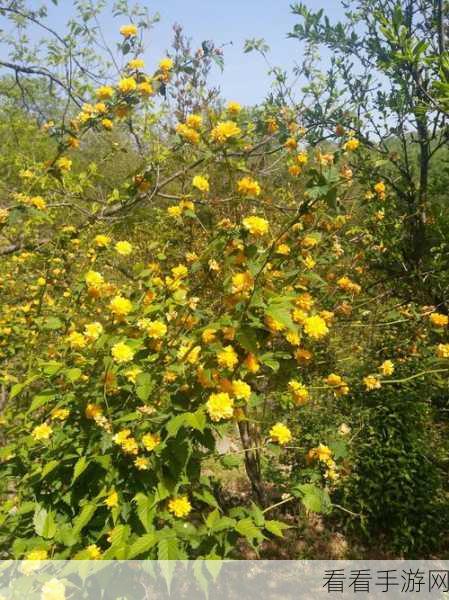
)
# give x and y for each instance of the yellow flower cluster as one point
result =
(180, 506)
(220, 406)
(281, 434)
(224, 131)
(248, 187)
(227, 357)
(122, 353)
(339, 386)
(200, 183)
(299, 392)
(439, 320)
(257, 226)
(346, 284)
(315, 327)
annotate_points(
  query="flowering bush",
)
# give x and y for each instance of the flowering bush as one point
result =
(204, 295)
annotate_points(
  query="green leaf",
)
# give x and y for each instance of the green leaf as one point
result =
(314, 498)
(86, 514)
(52, 323)
(168, 549)
(49, 468)
(276, 527)
(143, 544)
(44, 523)
(41, 400)
(145, 509)
(73, 374)
(196, 420)
(144, 386)
(79, 468)
(18, 387)
(248, 529)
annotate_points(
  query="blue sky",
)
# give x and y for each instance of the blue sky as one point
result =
(245, 76)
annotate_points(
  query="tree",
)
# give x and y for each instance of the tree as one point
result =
(385, 57)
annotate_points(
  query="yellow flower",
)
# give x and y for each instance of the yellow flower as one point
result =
(124, 248)
(53, 590)
(188, 133)
(112, 500)
(136, 63)
(299, 392)
(351, 145)
(131, 374)
(120, 306)
(174, 211)
(241, 389)
(180, 271)
(37, 555)
(380, 188)
(94, 279)
(128, 30)
(142, 463)
(93, 552)
(93, 411)
(42, 432)
(127, 84)
(180, 506)
(294, 170)
(102, 241)
(107, 124)
(194, 121)
(339, 386)
(220, 406)
(129, 446)
(76, 340)
(122, 353)
(209, 335)
(93, 330)
(280, 433)
(371, 382)
(233, 108)
(242, 282)
(60, 413)
(248, 187)
(323, 453)
(64, 163)
(121, 436)
(156, 329)
(4, 213)
(443, 351)
(283, 249)
(227, 357)
(302, 158)
(439, 320)
(150, 441)
(387, 367)
(256, 225)
(251, 363)
(166, 64)
(145, 88)
(200, 183)
(224, 131)
(315, 327)
(41, 281)
(105, 92)
(305, 301)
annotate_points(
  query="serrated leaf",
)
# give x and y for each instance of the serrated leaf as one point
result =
(86, 514)
(79, 468)
(276, 527)
(44, 523)
(145, 509)
(144, 386)
(248, 529)
(143, 544)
